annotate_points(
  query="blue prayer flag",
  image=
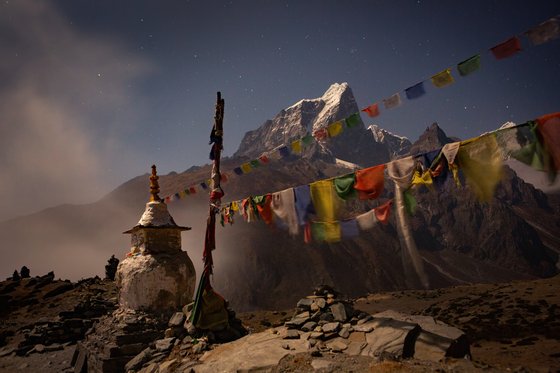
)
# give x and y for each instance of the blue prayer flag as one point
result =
(415, 91)
(284, 151)
(238, 171)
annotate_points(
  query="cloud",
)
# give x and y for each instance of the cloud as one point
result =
(63, 100)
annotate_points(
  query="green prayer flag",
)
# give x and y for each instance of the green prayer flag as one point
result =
(344, 186)
(409, 202)
(254, 163)
(353, 120)
(469, 65)
(307, 139)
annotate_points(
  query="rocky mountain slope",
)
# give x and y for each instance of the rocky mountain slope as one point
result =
(460, 239)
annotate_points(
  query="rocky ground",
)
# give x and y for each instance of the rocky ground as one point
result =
(511, 327)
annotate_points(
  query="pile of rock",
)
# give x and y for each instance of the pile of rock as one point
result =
(331, 325)
(82, 304)
(116, 339)
(189, 342)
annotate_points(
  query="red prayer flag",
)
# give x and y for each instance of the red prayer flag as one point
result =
(506, 49)
(224, 177)
(549, 129)
(321, 134)
(264, 159)
(382, 212)
(370, 181)
(372, 110)
(192, 190)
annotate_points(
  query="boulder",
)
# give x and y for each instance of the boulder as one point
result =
(391, 336)
(436, 340)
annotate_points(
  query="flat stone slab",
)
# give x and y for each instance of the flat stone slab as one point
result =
(254, 352)
(391, 336)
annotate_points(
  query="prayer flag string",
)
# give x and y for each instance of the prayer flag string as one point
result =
(542, 33)
(314, 207)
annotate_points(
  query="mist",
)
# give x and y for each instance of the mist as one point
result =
(61, 101)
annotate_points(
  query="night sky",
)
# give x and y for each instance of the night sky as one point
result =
(93, 92)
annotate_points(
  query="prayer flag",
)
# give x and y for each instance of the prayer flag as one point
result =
(367, 220)
(307, 139)
(177, 196)
(238, 171)
(264, 159)
(187, 191)
(167, 199)
(544, 32)
(415, 91)
(246, 167)
(450, 151)
(422, 178)
(506, 49)
(325, 231)
(320, 134)
(303, 203)
(224, 177)
(393, 101)
(409, 202)
(182, 194)
(204, 186)
(284, 151)
(548, 127)
(442, 78)
(401, 170)
(296, 146)
(324, 200)
(382, 212)
(349, 229)
(334, 129)
(370, 182)
(344, 186)
(481, 162)
(283, 206)
(469, 65)
(353, 120)
(192, 190)
(264, 208)
(254, 163)
(372, 110)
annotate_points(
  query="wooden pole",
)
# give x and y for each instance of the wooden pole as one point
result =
(216, 191)
(216, 194)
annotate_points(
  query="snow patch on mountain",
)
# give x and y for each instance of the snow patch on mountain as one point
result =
(396, 145)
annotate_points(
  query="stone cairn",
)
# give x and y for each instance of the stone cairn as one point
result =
(183, 341)
(332, 325)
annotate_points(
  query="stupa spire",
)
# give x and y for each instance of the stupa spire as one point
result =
(154, 186)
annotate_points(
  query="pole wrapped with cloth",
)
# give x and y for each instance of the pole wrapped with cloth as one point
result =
(209, 310)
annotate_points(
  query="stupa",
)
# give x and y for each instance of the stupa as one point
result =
(156, 276)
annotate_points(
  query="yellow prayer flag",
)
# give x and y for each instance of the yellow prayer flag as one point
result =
(482, 163)
(246, 167)
(335, 129)
(182, 194)
(422, 179)
(324, 200)
(296, 146)
(443, 78)
(234, 206)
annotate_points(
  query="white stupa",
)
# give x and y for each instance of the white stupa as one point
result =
(157, 276)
